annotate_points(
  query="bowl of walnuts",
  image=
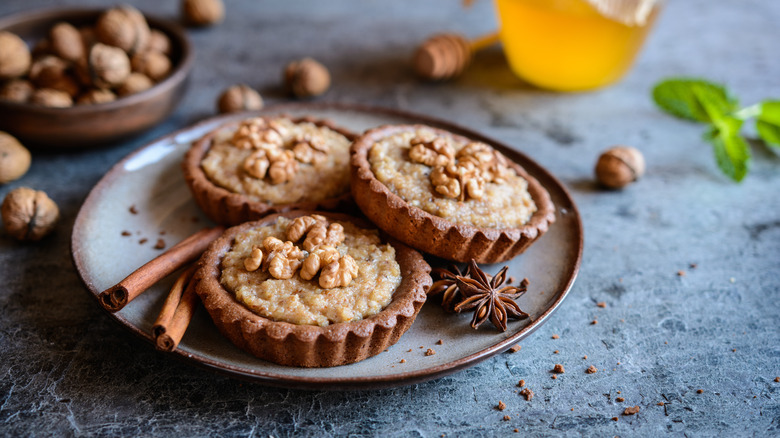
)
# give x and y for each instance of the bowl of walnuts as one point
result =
(77, 78)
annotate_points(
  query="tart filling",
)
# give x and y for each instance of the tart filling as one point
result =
(464, 182)
(284, 284)
(279, 161)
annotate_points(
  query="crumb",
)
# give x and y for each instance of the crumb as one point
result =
(631, 411)
(160, 244)
(618, 392)
(622, 320)
(510, 280)
(554, 376)
(618, 363)
(693, 265)
(142, 241)
(699, 391)
(501, 405)
(558, 368)
(591, 370)
(620, 279)
(430, 352)
(162, 233)
(421, 346)
(585, 357)
(681, 273)
(594, 322)
(516, 430)
(620, 399)
(572, 409)
(555, 336)
(732, 280)
(126, 233)
(614, 418)
(402, 361)
(507, 418)
(601, 304)
(133, 210)
(734, 350)
(515, 348)
(555, 352)
(521, 383)
(777, 379)
(527, 393)
(409, 350)
(666, 342)
(439, 342)
(660, 403)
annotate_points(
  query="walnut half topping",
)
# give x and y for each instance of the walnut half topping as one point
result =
(460, 175)
(317, 231)
(339, 273)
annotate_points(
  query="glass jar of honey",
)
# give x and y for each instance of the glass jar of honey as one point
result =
(571, 45)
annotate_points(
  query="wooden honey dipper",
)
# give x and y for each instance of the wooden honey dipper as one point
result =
(446, 55)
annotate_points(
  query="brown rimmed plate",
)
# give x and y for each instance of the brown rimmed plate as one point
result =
(151, 181)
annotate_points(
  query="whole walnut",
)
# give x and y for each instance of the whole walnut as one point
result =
(153, 64)
(135, 83)
(29, 214)
(17, 90)
(14, 56)
(47, 69)
(66, 42)
(95, 96)
(124, 27)
(106, 66)
(239, 97)
(159, 42)
(14, 158)
(51, 98)
(306, 78)
(620, 166)
(202, 12)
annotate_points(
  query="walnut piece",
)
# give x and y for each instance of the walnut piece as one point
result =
(15, 56)
(436, 152)
(339, 273)
(239, 97)
(310, 150)
(317, 231)
(28, 214)
(255, 259)
(284, 258)
(256, 134)
(320, 257)
(14, 158)
(256, 164)
(445, 183)
(283, 166)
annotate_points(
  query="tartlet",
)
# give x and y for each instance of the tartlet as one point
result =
(232, 186)
(309, 345)
(406, 193)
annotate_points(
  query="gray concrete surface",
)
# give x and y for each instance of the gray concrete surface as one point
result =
(67, 369)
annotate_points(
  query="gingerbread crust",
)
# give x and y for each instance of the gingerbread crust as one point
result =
(307, 345)
(229, 208)
(433, 234)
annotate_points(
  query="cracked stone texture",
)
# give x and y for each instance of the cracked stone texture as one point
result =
(67, 369)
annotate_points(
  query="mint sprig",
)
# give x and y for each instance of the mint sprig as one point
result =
(705, 102)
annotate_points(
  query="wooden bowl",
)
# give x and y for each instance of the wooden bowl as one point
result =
(84, 126)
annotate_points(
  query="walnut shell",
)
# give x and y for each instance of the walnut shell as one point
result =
(107, 66)
(51, 98)
(47, 69)
(29, 214)
(124, 27)
(135, 83)
(66, 42)
(17, 90)
(14, 158)
(306, 78)
(95, 96)
(153, 64)
(14, 56)
(203, 12)
(620, 166)
(239, 97)
(159, 42)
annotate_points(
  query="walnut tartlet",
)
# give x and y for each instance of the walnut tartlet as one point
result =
(294, 337)
(263, 165)
(446, 195)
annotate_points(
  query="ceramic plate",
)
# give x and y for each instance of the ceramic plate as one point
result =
(150, 180)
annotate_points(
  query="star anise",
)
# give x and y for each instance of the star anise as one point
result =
(489, 298)
(447, 286)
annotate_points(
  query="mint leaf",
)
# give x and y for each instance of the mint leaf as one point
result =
(732, 152)
(682, 97)
(768, 122)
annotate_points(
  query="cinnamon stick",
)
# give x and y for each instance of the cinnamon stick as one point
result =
(116, 297)
(172, 302)
(172, 334)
